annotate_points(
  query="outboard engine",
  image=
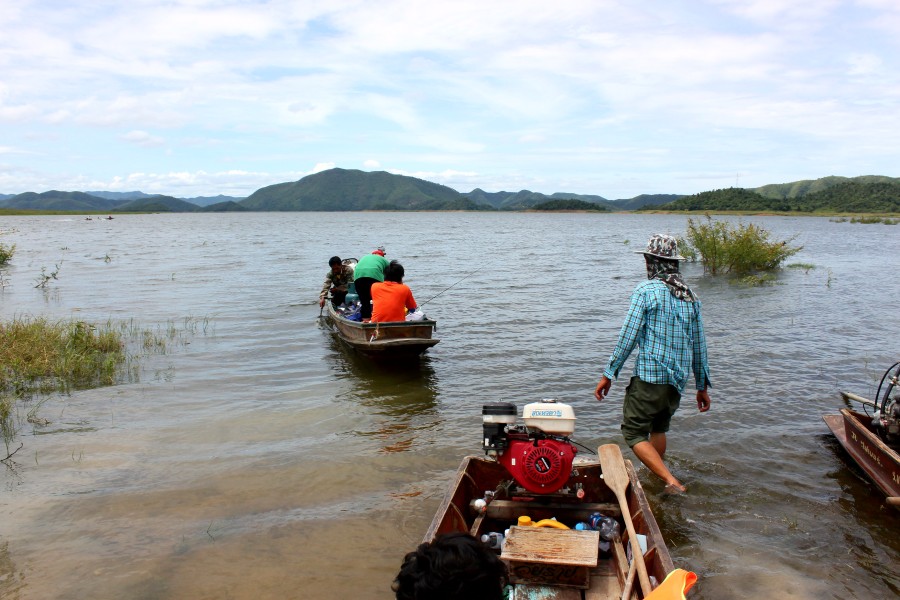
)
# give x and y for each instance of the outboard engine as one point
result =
(539, 455)
(887, 413)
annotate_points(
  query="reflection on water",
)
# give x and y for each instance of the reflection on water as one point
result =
(400, 394)
(268, 461)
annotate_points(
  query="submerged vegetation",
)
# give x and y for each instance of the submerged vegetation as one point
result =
(867, 220)
(6, 251)
(742, 250)
(39, 357)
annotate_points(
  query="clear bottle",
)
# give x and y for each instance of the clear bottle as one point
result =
(493, 540)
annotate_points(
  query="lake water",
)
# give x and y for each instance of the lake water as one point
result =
(256, 458)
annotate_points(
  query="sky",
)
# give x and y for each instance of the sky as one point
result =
(614, 98)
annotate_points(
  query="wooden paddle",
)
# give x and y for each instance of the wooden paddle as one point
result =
(616, 478)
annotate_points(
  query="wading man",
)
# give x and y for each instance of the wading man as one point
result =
(664, 322)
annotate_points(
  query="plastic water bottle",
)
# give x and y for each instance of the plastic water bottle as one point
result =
(608, 528)
(493, 540)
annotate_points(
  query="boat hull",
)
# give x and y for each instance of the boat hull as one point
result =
(408, 338)
(476, 475)
(880, 462)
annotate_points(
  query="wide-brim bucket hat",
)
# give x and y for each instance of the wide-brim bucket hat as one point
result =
(662, 246)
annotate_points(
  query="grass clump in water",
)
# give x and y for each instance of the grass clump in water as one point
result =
(742, 249)
(39, 356)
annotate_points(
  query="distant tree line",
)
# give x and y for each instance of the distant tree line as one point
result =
(851, 197)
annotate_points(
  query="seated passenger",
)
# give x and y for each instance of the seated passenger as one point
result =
(391, 297)
(455, 566)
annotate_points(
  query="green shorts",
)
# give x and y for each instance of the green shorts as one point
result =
(648, 408)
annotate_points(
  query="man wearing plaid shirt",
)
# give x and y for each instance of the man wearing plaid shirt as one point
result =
(664, 322)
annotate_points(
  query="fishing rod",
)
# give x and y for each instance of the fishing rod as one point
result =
(450, 286)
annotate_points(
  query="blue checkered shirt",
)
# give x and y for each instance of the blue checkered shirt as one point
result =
(669, 335)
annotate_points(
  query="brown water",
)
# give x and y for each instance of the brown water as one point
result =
(258, 459)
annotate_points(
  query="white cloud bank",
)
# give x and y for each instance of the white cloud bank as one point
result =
(193, 97)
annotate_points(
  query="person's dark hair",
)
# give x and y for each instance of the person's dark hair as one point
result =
(334, 260)
(394, 272)
(455, 566)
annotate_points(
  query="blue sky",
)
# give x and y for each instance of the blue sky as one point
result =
(615, 98)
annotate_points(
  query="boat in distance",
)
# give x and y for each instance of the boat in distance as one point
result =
(401, 338)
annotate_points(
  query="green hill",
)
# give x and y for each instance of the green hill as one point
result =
(343, 189)
(157, 204)
(797, 189)
(727, 199)
(644, 201)
(227, 206)
(568, 204)
(854, 197)
(847, 196)
(59, 201)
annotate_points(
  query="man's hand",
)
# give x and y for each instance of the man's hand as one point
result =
(321, 302)
(703, 400)
(602, 388)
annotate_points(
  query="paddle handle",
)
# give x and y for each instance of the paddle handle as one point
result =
(637, 555)
(628, 588)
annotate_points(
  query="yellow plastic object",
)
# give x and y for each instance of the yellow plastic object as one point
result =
(525, 521)
(674, 586)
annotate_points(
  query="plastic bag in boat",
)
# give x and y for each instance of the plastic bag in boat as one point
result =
(416, 315)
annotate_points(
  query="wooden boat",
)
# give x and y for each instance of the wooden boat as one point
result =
(408, 338)
(881, 462)
(550, 563)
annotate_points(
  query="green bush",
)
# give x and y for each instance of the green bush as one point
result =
(6, 253)
(741, 249)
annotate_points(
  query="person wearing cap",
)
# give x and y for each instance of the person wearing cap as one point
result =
(336, 281)
(369, 271)
(664, 323)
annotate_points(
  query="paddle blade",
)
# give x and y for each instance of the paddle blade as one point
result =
(613, 465)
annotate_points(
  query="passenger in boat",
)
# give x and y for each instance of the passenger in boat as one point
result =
(664, 323)
(336, 281)
(392, 298)
(455, 566)
(369, 271)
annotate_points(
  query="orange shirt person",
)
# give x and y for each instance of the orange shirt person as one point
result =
(391, 298)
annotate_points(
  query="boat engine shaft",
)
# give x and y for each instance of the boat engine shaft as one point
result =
(537, 455)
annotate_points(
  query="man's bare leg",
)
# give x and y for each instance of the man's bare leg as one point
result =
(649, 454)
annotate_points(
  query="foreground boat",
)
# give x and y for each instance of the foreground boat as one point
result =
(873, 441)
(403, 338)
(579, 562)
(532, 484)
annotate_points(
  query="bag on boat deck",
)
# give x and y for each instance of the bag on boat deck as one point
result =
(674, 586)
(416, 315)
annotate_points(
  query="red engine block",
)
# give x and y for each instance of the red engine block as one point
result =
(541, 466)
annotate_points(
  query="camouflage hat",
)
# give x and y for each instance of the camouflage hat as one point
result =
(662, 246)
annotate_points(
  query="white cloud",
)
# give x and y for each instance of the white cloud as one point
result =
(142, 138)
(518, 92)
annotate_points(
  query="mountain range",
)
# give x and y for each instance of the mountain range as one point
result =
(354, 190)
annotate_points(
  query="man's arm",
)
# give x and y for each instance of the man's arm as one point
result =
(700, 362)
(628, 335)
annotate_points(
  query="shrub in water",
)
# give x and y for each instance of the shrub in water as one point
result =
(739, 249)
